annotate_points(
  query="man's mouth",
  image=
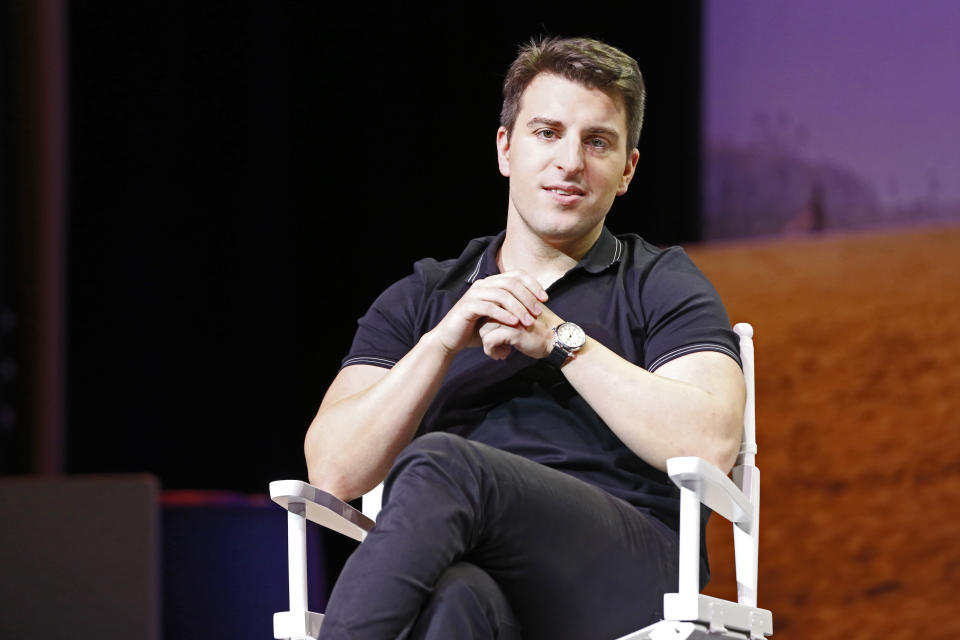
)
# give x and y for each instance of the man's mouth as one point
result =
(565, 190)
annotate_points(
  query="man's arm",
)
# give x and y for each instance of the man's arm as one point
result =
(369, 414)
(692, 405)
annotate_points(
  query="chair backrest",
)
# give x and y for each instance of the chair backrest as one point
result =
(747, 477)
(748, 444)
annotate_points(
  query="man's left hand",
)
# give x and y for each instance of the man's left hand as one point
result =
(535, 341)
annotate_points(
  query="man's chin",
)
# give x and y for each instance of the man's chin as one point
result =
(565, 234)
(560, 225)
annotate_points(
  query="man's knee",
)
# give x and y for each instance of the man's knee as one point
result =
(437, 450)
(437, 441)
(464, 581)
(466, 603)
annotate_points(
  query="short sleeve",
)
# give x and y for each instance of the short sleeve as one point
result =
(683, 312)
(387, 331)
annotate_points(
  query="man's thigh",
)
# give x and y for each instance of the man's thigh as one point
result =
(573, 561)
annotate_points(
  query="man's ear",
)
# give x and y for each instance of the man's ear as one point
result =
(503, 151)
(628, 170)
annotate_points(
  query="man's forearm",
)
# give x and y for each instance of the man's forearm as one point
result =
(355, 437)
(692, 406)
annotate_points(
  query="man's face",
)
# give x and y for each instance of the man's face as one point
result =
(566, 159)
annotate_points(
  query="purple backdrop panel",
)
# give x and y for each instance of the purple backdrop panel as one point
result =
(830, 114)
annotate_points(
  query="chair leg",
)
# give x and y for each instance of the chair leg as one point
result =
(689, 579)
(297, 556)
(298, 622)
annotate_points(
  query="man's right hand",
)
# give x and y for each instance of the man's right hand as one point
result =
(512, 299)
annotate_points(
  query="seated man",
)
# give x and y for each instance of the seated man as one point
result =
(522, 400)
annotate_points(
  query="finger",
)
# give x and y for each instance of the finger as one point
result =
(487, 327)
(505, 298)
(531, 283)
(491, 312)
(502, 335)
(528, 341)
(512, 294)
(495, 348)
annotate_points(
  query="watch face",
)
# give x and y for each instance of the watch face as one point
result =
(570, 335)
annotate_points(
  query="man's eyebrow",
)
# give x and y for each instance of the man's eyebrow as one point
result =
(556, 124)
(604, 131)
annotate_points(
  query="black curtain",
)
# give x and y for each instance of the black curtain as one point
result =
(246, 177)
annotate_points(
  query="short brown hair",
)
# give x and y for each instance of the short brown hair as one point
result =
(591, 63)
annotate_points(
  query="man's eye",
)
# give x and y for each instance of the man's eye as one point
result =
(546, 134)
(598, 143)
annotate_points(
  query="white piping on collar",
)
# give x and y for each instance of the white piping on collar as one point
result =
(616, 251)
(476, 270)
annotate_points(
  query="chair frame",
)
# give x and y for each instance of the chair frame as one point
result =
(688, 615)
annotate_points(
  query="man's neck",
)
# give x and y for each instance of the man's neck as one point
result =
(542, 258)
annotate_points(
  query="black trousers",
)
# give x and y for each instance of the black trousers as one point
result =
(474, 542)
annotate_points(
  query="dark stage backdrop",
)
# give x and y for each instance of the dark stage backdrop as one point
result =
(245, 179)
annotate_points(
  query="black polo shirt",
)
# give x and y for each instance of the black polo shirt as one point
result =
(646, 304)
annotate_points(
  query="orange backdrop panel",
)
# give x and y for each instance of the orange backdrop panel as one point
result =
(858, 417)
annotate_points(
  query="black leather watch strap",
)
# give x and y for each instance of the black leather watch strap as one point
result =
(558, 356)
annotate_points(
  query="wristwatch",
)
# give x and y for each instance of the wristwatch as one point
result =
(567, 338)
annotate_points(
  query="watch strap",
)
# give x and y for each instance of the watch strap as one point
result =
(558, 356)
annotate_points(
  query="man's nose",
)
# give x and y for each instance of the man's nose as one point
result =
(570, 155)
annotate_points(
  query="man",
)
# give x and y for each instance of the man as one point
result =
(526, 443)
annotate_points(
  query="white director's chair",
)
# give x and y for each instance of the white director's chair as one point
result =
(688, 615)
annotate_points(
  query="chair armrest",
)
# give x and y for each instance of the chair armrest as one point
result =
(321, 507)
(714, 488)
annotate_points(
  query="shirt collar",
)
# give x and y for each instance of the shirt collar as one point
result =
(605, 252)
(487, 264)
